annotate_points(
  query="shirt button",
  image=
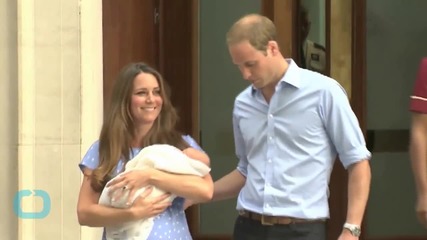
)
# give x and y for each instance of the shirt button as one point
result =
(270, 115)
(271, 138)
(269, 160)
(267, 205)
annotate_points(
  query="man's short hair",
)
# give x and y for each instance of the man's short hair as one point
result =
(256, 29)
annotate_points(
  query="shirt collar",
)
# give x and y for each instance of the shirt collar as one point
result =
(291, 76)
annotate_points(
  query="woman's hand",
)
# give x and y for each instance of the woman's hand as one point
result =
(145, 206)
(130, 181)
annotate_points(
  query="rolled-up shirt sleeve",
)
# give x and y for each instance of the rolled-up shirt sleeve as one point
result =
(342, 125)
(418, 101)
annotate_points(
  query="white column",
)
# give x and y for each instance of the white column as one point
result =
(26, 109)
(59, 109)
(92, 84)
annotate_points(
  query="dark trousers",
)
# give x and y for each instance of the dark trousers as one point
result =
(248, 229)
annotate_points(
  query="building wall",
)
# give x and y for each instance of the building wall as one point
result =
(51, 104)
(9, 117)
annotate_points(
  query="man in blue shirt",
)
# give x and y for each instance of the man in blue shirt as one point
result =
(289, 127)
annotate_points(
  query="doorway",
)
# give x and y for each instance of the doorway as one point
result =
(164, 34)
(145, 30)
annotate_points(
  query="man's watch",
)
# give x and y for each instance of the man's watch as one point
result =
(353, 228)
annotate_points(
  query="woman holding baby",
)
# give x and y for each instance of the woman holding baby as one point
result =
(140, 114)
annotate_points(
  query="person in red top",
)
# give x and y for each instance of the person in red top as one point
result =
(418, 140)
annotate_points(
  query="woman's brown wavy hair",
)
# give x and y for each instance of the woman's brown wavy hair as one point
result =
(118, 128)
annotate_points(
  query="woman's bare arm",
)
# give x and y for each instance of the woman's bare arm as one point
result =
(187, 186)
(184, 185)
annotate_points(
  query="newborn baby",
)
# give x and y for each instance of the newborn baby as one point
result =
(159, 156)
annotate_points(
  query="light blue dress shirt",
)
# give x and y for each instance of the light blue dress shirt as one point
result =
(170, 224)
(287, 148)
